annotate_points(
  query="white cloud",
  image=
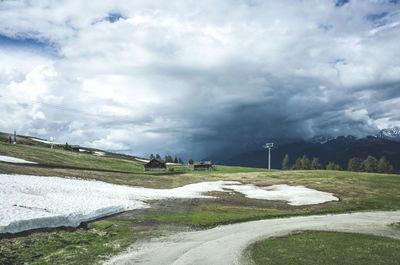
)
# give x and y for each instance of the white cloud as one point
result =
(176, 76)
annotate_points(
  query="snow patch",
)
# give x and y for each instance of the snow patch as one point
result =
(11, 159)
(44, 141)
(98, 153)
(30, 202)
(142, 160)
(294, 195)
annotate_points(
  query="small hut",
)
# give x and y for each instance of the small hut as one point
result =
(203, 165)
(155, 165)
(74, 148)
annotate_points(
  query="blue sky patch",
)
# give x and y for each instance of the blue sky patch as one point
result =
(338, 61)
(341, 2)
(325, 27)
(114, 17)
(375, 17)
(29, 43)
(378, 19)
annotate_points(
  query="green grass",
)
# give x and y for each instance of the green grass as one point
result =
(211, 214)
(326, 248)
(211, 217)
(357, 192)
(82, 246)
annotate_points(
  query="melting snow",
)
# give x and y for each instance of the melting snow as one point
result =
(44, 141)
(29, 202)
(98, 153)
(11, 159)
(142, 160)
(294, 195)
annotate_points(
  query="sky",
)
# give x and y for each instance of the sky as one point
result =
(197, 77)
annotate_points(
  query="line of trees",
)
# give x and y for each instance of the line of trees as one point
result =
(370, 164)
(168, 158)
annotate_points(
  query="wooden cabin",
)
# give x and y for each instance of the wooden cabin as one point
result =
(203, 165)
(155, 165)
(74, 148)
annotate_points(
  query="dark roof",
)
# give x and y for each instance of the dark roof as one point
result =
(154, 162)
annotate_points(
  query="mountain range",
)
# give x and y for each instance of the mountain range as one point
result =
(327, 149)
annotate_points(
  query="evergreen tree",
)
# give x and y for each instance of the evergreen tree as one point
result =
(354, 164)
(297, 165)
(384, 166)
(176, 160)
(315, 164)
(305, 163)
(331, 166)
(151, 156)
(180, 161)
(158, 156)
(66, 146)
(168, 159)
(285, 162)
(370, 164)
(190, 161)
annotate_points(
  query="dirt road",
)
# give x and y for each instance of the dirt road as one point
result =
(226, 244)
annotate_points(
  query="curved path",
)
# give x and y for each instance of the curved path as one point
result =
(226, 244)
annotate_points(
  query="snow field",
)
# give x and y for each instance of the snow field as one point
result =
(30, 202)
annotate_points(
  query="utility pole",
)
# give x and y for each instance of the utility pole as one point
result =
(269, 146)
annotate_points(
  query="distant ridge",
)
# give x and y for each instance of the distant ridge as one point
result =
(338, 149)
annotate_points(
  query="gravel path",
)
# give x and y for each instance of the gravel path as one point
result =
(226, 244)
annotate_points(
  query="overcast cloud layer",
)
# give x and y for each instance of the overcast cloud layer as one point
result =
(188, 77)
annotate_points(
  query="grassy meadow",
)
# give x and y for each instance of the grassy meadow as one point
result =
(95, 240)
(327, 248)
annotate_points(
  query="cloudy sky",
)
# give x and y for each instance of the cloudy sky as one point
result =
(194, 77)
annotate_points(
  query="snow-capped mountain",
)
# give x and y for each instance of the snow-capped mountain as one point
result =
(390, 134)
(321, 139)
